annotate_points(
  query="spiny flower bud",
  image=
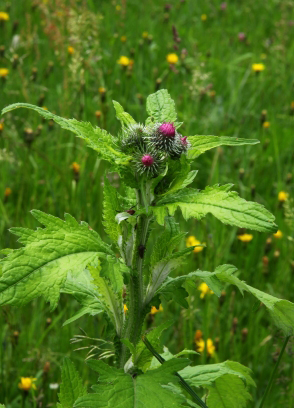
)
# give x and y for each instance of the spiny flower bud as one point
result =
(133, 137)
(147, 160)
(167, 130)
(164, 137)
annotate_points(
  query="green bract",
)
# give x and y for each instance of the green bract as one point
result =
(69, 257)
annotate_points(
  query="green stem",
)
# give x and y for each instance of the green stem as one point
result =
(272, 377)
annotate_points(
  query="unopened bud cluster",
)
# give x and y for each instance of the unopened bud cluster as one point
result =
(152, 145)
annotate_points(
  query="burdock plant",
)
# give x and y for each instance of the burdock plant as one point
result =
(154, 163)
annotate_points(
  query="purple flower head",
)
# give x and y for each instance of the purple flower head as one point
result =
(184, 141)
(223, 6)
(167, 129)
(242, 36)
(147, 160)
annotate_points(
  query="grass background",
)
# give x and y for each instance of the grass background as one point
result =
(216, 93)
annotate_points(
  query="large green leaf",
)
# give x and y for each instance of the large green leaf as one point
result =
(224, 204)
(71, 387)
(124, 117)
(281, 311)
(160, 107)
(119, 389)
(41, 267)
(200, 144)
(98, 139)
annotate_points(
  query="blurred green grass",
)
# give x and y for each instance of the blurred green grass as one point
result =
(215, 92)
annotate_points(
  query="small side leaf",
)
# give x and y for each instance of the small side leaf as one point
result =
(124, 117)
(161, 107)
(200, 144)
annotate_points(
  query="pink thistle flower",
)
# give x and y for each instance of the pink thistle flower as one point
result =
(167, 130)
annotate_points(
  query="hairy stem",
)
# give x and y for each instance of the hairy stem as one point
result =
(137, 311)
(273, 374)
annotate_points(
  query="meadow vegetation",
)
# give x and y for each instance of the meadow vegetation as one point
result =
(228, 68)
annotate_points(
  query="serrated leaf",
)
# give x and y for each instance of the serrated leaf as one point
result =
(217, 200)
(71, 387)
(124, 117)
(119, 389)
(112, 301)
(200, 144)
(160, 107)
(41, 267)
(98, 139)
(86, 294)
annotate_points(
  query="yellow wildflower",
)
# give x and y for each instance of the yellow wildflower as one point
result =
(200, 346)
(124, 61)
(172, 58)
(283, 196)
(204, 289)
(203, 17)
(7, 192)
(4, 72)
(266, 124)
(76, 167)
(70, 50)
(1, 127)
(125, 308)
(118, 7)
(292, 105)
(245, 237)
(123, 38)
(278, 234)
(4, 16)
(258, 67)
(44, 107)
(154, 310)
(102, 90)
(145, 34)
(98, 114)
(191, 241)
(27, 383)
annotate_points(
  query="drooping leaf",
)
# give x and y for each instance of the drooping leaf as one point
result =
(98, 139)
(124, 117)
(71, 387)
(119, 389)
(41, 267)
(86, 294)
(225, 205)
(112, 301)
(200, 144)
(160, 107)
